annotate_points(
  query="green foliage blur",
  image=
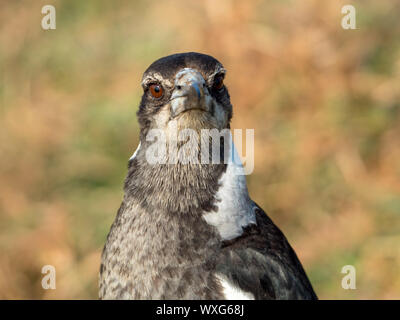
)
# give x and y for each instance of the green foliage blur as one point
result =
(324, 103)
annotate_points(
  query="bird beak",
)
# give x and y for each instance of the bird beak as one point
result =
(189, 93)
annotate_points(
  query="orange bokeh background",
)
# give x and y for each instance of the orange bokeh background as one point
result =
(323, 101)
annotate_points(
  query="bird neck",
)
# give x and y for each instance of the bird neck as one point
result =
(175, 188)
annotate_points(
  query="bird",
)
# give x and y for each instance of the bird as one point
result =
(189, 230)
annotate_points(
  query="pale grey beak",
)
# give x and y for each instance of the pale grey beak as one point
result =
(190, 92)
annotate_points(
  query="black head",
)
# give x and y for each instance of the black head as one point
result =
(188, 88)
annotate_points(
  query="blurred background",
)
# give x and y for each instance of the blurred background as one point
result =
(324, 103)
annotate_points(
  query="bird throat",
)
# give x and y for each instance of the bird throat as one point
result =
(173, 186)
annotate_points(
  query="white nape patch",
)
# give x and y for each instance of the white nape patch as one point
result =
(231, 292)
(135, 153)
(235, 208)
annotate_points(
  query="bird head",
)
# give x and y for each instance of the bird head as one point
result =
(182, 93)
(185, 88)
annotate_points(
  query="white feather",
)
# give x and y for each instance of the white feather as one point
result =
(235, 208)
(135, 153)
(232, 292)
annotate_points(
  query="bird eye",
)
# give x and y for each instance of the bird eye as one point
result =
(156, 91)
(218, 82)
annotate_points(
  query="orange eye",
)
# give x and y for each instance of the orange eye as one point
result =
(156, 91)
(218, 82)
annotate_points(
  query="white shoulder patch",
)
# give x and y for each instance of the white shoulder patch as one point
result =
(232, 292)
(235, 208)
(135, 153)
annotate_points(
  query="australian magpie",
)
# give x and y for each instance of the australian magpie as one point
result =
(187, 229)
